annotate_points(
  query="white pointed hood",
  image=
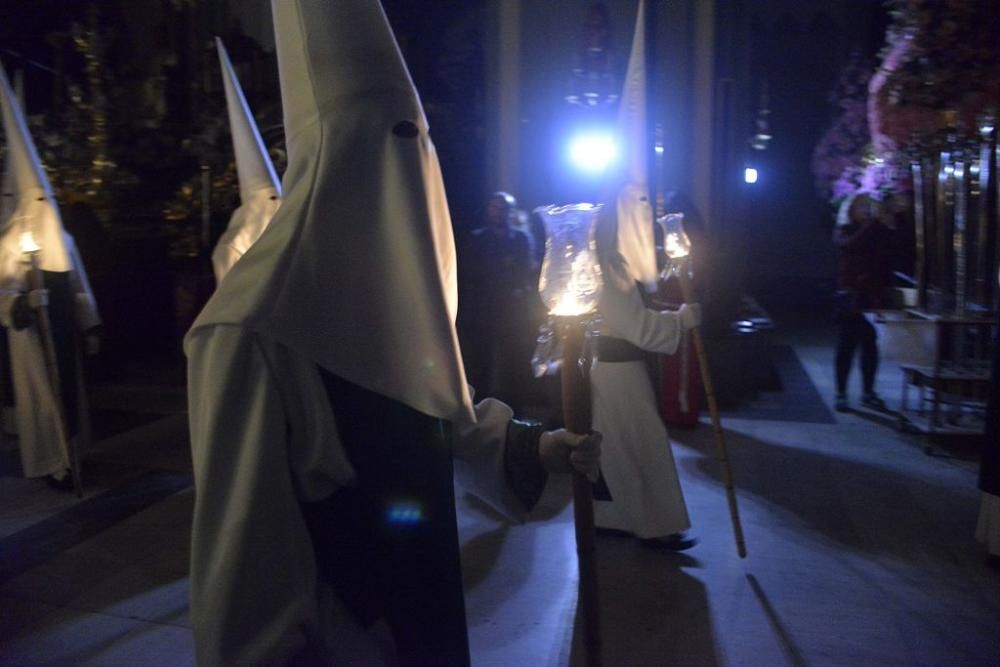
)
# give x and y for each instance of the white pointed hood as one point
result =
(253, 166)
(35, 209)
(7, 200)
(260, 192)
(357, 268)
(7, 187)
(634, 212)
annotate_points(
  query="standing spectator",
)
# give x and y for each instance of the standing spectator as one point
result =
(499, 302)
(863, 237)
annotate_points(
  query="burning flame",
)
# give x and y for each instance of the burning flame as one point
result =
(570, 283)
(676, 243)
(674, 248)
(578, 296)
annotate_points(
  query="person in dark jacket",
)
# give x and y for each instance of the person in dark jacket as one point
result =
(864, 240)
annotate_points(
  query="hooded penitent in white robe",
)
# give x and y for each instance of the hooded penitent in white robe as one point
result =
(260, 192)
(637, 462)
(41, 436)
(332, 341)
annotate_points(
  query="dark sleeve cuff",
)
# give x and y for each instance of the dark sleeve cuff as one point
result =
(21, 314)
(522, 466)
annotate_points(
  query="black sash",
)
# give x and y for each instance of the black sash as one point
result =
(617, 350)
(389, 546)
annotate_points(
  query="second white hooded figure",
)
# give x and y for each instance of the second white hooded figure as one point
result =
(638, 464)
(260, 192)
(328, 403)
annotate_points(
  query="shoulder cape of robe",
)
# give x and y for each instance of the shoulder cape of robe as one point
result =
(265, 442)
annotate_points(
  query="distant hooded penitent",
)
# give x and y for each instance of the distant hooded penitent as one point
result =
(34, 220)
(260, 191)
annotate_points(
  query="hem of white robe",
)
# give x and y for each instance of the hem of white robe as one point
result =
(988, 527)
(604, 517)
(46, 468)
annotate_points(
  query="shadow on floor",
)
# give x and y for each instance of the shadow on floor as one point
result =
(652, 611)
(867, 508)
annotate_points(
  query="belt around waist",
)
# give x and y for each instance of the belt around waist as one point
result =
(616, 350)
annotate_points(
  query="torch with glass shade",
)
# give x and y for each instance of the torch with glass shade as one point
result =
(570, 286)
(677, 247)
(29, 250)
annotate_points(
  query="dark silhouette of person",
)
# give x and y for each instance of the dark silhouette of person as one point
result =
(499, 303)
(863, 237)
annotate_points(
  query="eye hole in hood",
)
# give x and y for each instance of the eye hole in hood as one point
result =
(405, 129)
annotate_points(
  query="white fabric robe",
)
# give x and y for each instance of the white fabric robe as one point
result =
(40, 431)
(636, 458)
(263, 440)
(246, 225)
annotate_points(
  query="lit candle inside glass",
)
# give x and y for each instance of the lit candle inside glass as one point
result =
(676, 243)
(570, 282)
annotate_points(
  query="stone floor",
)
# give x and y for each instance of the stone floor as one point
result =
(860, 552)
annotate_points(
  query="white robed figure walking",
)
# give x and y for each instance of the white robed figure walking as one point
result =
(260, 190)
(35, 221)
(329, 410)
(637, 461)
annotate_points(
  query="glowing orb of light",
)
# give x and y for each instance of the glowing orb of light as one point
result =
(593, 152)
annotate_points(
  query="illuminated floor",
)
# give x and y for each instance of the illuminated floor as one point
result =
(860, 552)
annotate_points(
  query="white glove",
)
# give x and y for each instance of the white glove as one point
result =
(690, 314)
(38, 298)
(562, 451)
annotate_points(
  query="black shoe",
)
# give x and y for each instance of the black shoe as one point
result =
(60, 484)
(675, 542)
(873, 402)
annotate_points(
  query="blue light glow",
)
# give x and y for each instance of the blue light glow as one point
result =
(593, 152)
(750, 175)
(404, 513)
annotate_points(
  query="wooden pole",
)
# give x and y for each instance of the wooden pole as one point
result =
(713, 408)
(36, 282)
(577, 419)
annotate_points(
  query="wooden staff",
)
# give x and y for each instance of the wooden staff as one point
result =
(577, 419)
(36, 282)
(713, 409)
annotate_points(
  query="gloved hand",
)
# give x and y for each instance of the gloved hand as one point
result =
(562, 451)
(38, 298)
(690, 314)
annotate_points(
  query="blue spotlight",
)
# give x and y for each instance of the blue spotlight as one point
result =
(593, 151)
(750, 175)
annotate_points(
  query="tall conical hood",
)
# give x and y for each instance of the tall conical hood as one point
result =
(26, 167)
(357, 269)
(7, 189)
(253, 166)
(348, 52)
(7, 186)
(634, 212)
(35, 210)
(260, 192)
